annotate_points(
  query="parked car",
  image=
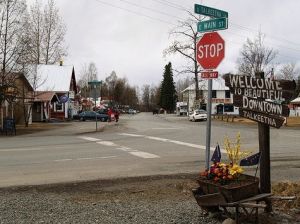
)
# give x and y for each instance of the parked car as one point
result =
(197, 115)
(132, 111)
(102, 111)
(90, 115)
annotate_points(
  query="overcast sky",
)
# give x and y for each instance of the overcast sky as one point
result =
(127, 37)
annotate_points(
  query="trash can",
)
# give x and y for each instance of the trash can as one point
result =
(9, 126)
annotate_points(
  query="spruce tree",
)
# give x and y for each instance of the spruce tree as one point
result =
(167, 91)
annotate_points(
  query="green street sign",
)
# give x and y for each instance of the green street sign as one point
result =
(213, 24)
(95, 82)
(207, 11)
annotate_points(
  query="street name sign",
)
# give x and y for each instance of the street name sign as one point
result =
(208, 11)
(270, 120)
(210, 50)
(209, 75)
(212, 25)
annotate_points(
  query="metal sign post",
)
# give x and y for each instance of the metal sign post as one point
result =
(94, 84)
(210, 51)
(208, 125)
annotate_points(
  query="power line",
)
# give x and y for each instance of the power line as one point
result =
(134, 12)
(174, 5)
(271, 36)
(271, 44)
(171, 4)
(179, 7)
(282, 55)
(150, 9)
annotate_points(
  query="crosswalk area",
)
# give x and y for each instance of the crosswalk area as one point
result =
(142, 154)
(134, 152)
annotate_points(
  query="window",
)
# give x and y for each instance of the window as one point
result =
(214, 94)
(58, 107)
(228, 108)
(227, 94)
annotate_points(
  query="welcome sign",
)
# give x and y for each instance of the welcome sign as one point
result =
(261, 100)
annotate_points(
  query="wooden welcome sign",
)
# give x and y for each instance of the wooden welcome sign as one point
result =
(261, 100)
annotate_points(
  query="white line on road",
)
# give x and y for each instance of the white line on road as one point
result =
(21, 149)
(132, 135)
(172, 141)
(157, 138)
(90, 138)
(144, 155)
(99, 157)
(166, 128)
(107, 143)
(133, 152)
(88, 158)
(62, 160)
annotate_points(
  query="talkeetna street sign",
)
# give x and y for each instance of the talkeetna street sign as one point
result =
(270, 120)
(212, 25)
(209, 75)
(208, 11)
(261, 99)
(210, 50)
(262, 106)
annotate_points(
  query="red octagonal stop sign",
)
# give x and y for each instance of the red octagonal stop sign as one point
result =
(210, 50)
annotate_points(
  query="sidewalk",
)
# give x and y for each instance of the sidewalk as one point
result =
(61, 128)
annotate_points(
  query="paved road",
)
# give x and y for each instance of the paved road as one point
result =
(140, 144)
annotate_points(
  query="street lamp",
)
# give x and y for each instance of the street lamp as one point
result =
(94, 85)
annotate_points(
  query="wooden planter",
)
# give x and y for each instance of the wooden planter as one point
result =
(246, 186)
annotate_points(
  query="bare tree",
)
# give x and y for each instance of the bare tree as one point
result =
(35, 80)
(35, 33)
(154, 96)
(146, 97)
(185, 43)
(255, 57)
(53, 34)
(12, 14)
(182, 84)
(119, 90)
(87, 73)
(288, 72)
(111, 82)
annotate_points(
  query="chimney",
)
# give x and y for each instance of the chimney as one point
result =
(61, 62)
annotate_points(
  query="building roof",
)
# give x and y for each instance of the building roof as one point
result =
(217, 84)
(45, 96)
(52, 77)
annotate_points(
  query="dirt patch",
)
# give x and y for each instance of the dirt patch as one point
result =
(286, 189)
(148, 189)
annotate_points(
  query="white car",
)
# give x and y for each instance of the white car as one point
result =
(197, 115)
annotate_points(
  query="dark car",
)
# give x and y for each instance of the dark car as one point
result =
(102, 111)
(90, 115)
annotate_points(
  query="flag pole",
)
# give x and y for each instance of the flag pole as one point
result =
(257, 167)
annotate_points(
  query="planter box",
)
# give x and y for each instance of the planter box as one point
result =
(246, 186)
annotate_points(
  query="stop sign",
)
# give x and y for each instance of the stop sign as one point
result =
(210, 50)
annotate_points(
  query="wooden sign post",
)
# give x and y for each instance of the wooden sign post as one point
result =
(262, 100)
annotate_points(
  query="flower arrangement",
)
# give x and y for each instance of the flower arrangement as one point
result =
(224, 173)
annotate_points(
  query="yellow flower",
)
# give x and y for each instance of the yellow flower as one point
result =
(233, 150)
(235, 169)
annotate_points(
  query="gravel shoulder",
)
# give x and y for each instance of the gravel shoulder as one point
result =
(152, 199)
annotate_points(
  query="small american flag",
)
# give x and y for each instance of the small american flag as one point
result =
(251, 160)
(216, 157)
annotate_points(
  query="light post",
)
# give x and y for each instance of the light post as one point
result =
(94, 85)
